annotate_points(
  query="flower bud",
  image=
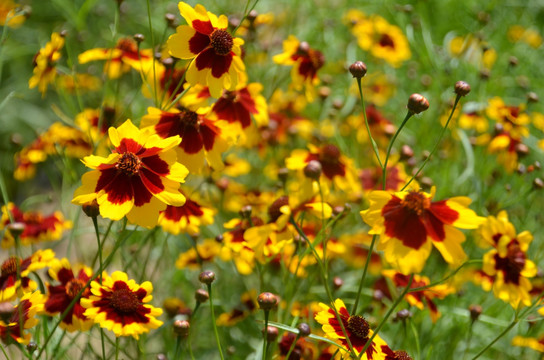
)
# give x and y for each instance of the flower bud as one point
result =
(358, 69)
(403, 315)
(282, 174)
(16, 228)
(31, 347)
(538, 183)
(304, 329)
(462, 88)
(475, 312)
(532, 97)
(267, 301)
(91, 209)
(181, 328)
(271, 333)
(313, 170)
(337, 282)
(245, 211)
(170, 20)
(139, 38)
(201, 295)
(417, 103)
(206, 277)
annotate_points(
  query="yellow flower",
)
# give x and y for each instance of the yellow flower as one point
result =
(138, 179)
(45, 63)
(23, 317)
(217, 54)
(10, 14)
(120, 305)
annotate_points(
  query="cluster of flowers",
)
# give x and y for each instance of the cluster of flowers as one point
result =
(206, 112)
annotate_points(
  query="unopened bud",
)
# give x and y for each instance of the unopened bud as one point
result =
(206, 277)
(462, 88)
(91, 209)
(417, 103)
(252, 15)
(181, 328)
(538, 183)
(358, 69)
(219, 238)
(304, 329)
(522, 149)
(170, 19)
(31, 347)
(267, 301)
(403, 315)
(139, 38)
(271, 333)
(475, 312)
(513, 61)
(201, 295)
(63, 33)
(532, 97)
(406, 152)
(245, 211)
(313, 170)
(16, 228)
(282, 174)
(337, 282)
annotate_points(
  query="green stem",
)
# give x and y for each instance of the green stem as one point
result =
(421, 288)
(265, 333)
(374, 145)
(292, 347)
(214, 324)
(246, 12)
(101, 263)
(389, 312)
(116, 348)
(384, 167)
(435, 145)
(505, 331)
(365, 269)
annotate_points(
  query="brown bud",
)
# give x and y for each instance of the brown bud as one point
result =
(31, 347)
(303, 47)
(252, 15)
(522, 149)
(63, 33)
(245, 211)
(168, 62)
(16, 228)
(417, 103)
(532, 97)
(181, 328)
(358, 69)
(282, 174)
(271, 333)
(170, 19)
(462, 88)
(162, 357)
(403, 315)
(475, 312)
(304, 329)
(538, 183)
(222, 184)
(337, 104)
(267, 301)
(513, 61)
(139, 38)
(219, 238)
(406, 152)
(337, 282)
(313, 169)
(201, 295)
(91, 209)
(206, 277)
(485, 74)
(324, 92)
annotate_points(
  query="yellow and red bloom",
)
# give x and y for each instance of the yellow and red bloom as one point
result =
(235, 246)
(371, 178)
(187, 218)
(305, 61)
(248, 305)
(37, 227)
(12, 285)
(10, 14)
(202, 138)
(60, 296)
(23, 317)
(533, 343)
(217, 54)
(508, 263)
(409, 223)
(357, 330)
(120, 305)
(45, 63)
(138, 180)
(383, 40)
(494, 229)
(380, 127)
(505, 146)
(204, 252)
(514, 120)
(119, 60)
(417, 298)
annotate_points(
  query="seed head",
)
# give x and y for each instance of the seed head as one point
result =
(417, 103)
(358, 69)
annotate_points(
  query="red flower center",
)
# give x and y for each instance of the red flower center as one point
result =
(516, 256)
(317, 58)
(416, 202)
(188, 117)
(274, 211)
(358, 326)
(33, 218)
(73, 287)
(9, 267)
(129, 164)
(386, 41)
(127, 45)
(329, 154)
(221, 42)
(124, 301)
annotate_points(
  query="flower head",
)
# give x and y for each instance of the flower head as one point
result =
(10, 14)
(120, 305)
(138, 179)
(60, 296)
(217, 54)
(45, 63)
(187, 218)
(23, 317)
(357, 329)
(409, 223)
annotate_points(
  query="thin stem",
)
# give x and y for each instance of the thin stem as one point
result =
(246, 12)
(153, 49)
(178, 347)
(384, 167)
(389, 312)
(293, 346)
(101, 263)
(374, 145)
(505, 331)
(365, 269)
(421, 288)
(116, 348)
(214, 324)
(265, 333)
(435, 145)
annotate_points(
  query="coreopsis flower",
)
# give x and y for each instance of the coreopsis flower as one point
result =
(473, 50)
(371, 178)
(36, 227)
(216, 54)
(13, 284)
(506, 148)
(382, 39)
(305, 62)
(410, 223)
(10, 14)
(119, 60)
(202, 138)
(337, 168)
(238, 106)
(138, 179)
(532, 343)
(45, 63)
(248, 306)
(514, 120)
(120, 305)
(511, 269)
(187, 218)
(26, 160)
(419, 298)
(22, 318)
(517, 33)
(302, 349)
(471, 120)
(495, 228)
(94, 123)
(235, 246)
(60, 296)
(166, 82)
(204, 252)
(78, 83)
(381, 128)
(357, 330)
